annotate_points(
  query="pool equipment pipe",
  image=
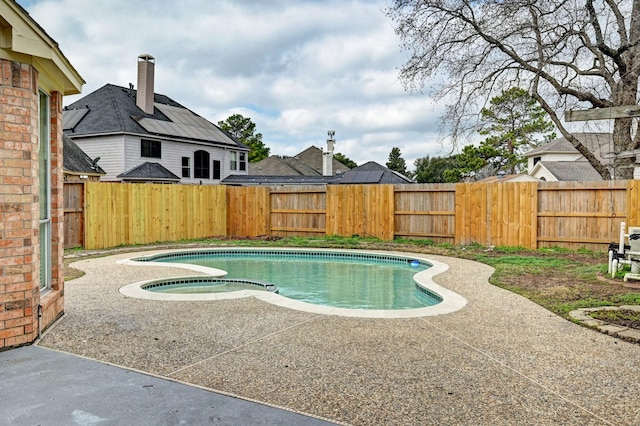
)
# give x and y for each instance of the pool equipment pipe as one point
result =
(628, 254)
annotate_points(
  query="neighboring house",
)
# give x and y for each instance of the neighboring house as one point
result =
(501, 177)
(142, 136)
(307, 163)
(368, 173)
(558, 160)
(78, 166)
(35, 77)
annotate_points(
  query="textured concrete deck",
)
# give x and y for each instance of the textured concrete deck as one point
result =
(500, 360)
(42, 387)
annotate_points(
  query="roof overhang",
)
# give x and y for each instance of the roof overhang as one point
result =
(161, 138)
(148, 180)
(68, 172)
(539, 166)
(23, 40)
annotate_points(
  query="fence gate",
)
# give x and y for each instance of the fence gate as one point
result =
(73, 215)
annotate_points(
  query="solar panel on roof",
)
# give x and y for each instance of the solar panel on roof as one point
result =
(71, 117)
(374, 177)
(181, 130)
(355, 176)
(185, 124)
(348, 177)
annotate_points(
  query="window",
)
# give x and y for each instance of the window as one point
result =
(201, 165)
(216, 169)
(536, 160)
(186, 168)
(243, 161)
(150, 148)
(233, 165)
(44, 189)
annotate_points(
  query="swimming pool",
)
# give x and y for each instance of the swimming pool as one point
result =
(338, 279)
(328, 281)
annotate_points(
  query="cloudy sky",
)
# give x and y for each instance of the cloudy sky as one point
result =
(297, 68)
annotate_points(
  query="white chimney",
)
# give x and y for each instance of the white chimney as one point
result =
(144, 99)
(327, 157)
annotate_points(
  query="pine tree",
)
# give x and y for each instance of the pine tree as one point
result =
(396, 162)
(244, 131)
(345, 160)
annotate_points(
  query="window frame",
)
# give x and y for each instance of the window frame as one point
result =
(233, 161)
(148, 148)
(186, 168)
(217, 169)
(44, 199)
(201, 169)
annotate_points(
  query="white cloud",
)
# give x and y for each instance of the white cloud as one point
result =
(296, 68)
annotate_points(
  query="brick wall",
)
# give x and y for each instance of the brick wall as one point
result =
(19, 208)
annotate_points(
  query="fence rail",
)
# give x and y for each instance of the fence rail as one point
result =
(529, 214)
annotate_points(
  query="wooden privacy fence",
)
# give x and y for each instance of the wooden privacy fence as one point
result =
(528, 214)
(127, 214)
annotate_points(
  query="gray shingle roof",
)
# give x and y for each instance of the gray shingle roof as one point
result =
(597, 143)
(388, 176)
(75, 160)
(383, 176)
(280, 180)
(113, 109)
(149, 171)
(306, 163)
(571, 170)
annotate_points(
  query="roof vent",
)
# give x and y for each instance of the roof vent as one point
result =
(144, 99)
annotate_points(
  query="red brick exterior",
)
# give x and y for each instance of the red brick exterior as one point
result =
(19, 208)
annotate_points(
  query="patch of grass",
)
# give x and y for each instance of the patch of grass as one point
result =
(416, 242)
(617, 315)
(626, 299)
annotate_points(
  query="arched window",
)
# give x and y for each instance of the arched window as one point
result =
(201, 165)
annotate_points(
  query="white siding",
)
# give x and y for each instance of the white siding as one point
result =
(122, 153)
(110, 149)
(172, 153)
(554, 157)
(543, 174)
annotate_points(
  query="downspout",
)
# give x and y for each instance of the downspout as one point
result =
(39, 321)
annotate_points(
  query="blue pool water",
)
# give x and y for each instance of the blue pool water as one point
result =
(334, 279)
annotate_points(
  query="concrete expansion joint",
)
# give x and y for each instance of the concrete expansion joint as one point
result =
(583, 316)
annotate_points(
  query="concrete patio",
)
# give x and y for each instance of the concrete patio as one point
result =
(500, 360)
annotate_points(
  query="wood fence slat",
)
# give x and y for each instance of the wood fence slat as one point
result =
(534, 214)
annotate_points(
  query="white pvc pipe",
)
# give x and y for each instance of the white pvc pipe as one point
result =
(610, 261)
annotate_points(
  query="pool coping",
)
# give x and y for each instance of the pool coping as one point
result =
(451, 301)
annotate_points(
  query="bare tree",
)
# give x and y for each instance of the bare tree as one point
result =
(568, 54)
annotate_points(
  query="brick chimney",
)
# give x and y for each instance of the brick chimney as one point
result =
(144, 99)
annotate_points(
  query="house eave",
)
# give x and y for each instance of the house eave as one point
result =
(155, 137)
(23, 40)
(538, 167)
(74, 173)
